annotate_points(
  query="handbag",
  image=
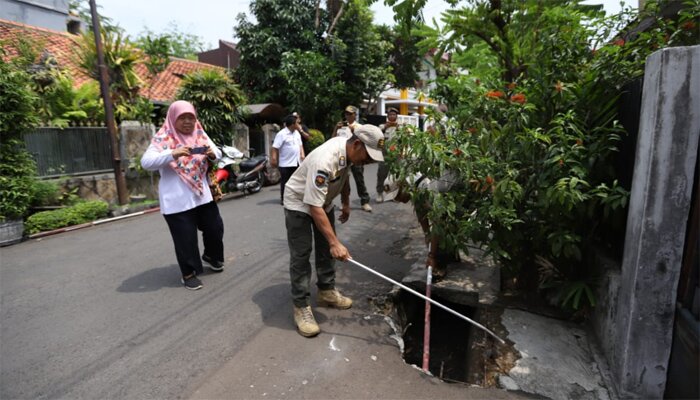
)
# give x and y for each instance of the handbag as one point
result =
(214, 187)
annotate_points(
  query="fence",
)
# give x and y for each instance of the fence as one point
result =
(70, 151)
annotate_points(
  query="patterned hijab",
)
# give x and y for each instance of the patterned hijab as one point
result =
(191, 169)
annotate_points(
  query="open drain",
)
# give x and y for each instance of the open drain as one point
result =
(449, 337)
(459, 352)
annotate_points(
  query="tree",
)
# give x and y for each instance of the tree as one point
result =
(281, 26)
(313, 86)
(121, 60)
(172, 42)
(218, 102)
(364, 56)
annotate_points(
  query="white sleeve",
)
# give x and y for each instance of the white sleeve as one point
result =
(152, 159)
(277, 143)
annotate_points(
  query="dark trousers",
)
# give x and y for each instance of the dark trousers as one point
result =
(382, 173)
(285, 174)
(358, 172)
(183, 228)
(301, 231)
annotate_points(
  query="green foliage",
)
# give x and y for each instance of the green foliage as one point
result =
(218, 102)
(172, 42)
(17, 168)
(364, 56)
(530, 138)
(280, 26)
(349, 56)
(121, 60)
(78, 214)
(157, 48)
(317, 97)
(45, 193)
(315, 140)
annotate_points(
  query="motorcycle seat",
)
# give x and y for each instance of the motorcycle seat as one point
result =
(252, 162)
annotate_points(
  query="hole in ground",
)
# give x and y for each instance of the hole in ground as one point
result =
(455, 351)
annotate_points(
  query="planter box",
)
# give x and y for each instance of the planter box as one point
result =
(11, 232)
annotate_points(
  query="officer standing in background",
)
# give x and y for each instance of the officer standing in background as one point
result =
(389, 128)
(309, 216)
(345, 129)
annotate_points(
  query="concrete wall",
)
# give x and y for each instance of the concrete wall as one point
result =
(667, 152)
(50, 14)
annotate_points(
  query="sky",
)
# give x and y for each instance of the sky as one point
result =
(214, 19)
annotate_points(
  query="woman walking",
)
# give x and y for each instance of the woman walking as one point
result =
(180, 152)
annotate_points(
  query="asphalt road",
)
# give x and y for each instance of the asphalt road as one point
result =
(99, 313)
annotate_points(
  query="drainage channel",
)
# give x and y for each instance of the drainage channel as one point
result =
(459, 352)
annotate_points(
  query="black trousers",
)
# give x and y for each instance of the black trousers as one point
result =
(301, 232)
(183, 228)
(285, 174)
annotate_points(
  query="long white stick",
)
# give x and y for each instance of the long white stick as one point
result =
(408, 289)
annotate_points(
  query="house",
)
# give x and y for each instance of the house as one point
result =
(61, 45)
(49, 14)
(226, 56)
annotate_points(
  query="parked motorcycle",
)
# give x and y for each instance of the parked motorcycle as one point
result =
(236, 172)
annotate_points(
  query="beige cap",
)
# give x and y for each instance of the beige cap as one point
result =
(373, 138)
(351, 109)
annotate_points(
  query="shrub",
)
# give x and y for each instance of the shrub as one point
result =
(77, 214)
(316, 139)
(45, 193)
(17, 169)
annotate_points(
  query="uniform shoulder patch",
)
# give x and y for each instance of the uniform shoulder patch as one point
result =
(321, 179)
(341, 161)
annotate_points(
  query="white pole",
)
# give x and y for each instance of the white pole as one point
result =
(408, 289)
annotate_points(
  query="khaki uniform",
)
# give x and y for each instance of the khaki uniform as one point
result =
(358, 171)
(317, 181)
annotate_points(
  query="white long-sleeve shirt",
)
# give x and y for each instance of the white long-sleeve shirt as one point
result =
(174, 194)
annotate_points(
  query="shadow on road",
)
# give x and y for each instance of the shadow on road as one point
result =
(152, 280)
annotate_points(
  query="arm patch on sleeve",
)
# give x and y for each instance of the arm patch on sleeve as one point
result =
(321, 179)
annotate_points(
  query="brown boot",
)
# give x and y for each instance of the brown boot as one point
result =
(333, 298)
(306, 323)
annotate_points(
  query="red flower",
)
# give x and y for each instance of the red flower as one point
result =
(495, 94)
(489, 180)
(518, 98)
(619, 42)
(477, 81)
(688, 25)
(457, 152)
(511, 86)
(392, 148)
(472, 130)
(558, 87)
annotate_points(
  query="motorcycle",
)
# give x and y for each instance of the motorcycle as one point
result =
(236, 172)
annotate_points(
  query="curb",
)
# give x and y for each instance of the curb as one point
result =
(88, 224)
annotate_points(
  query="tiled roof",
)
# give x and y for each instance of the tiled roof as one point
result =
(61, 46)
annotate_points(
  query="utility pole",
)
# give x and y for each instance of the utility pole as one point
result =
(109, 110)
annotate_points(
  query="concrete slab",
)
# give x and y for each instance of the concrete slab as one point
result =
(557, 360)
(475, 281)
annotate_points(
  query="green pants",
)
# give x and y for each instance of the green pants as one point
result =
(301, 230)
(358, 173)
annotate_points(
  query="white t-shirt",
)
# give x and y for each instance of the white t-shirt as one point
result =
(289, 145)
(174, 194)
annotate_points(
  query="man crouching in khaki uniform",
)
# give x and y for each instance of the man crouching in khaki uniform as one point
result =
(309, 215)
